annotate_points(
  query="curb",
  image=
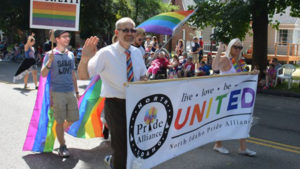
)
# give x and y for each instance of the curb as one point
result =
(280, 93)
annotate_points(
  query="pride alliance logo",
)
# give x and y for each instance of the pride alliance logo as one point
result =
(149, 125)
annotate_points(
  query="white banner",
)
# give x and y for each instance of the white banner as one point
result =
(169, 118)
(57, 14)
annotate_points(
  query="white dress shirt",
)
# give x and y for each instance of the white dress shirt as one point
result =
(142, 50)
(110, 63)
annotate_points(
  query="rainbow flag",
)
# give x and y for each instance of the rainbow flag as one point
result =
(91, 106)
(54, 15)
(41, 131)
(166, 23)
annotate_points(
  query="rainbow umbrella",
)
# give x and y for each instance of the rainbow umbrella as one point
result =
(166, 23)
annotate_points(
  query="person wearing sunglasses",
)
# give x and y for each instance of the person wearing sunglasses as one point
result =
(229, 64)
(59, 64)
(154, 44)
(139, 41)
(110, 63)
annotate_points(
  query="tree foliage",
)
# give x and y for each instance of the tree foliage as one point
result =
(97, 17)
(14, 15)
(234, 18)
(143, 10)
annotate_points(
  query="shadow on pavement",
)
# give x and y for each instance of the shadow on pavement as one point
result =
(23, 91)
(82, 86)
(89, 159)
(49, 161)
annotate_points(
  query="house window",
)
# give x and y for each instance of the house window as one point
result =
(283, 36)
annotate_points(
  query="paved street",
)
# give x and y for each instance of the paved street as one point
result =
(275, 136)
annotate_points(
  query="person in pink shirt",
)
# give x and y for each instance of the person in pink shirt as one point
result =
(160, 62)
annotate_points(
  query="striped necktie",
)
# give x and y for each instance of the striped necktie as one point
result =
(130, 76)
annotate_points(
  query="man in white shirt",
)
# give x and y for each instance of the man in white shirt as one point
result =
(112, 64)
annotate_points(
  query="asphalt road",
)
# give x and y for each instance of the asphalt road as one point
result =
(275, 136)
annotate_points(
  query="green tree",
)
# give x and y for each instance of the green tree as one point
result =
(122, 8)
(14, 16)
(143, 10)
(96, 18)
(233, 18)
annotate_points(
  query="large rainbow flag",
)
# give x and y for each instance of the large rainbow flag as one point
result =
(90, 106)
(166, 23)
(54, 15)
(41, 131)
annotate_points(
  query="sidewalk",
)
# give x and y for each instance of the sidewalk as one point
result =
(277, 92)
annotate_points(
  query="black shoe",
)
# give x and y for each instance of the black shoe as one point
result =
(105, 132)
(63, 151)
(36, 87)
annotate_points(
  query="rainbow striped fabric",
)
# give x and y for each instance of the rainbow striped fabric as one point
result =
(91, 105)
(54, 15)
(166, 23)
(41, 131)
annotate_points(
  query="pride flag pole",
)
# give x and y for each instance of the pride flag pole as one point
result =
(175, 29)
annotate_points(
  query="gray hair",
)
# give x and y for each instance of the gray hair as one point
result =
(124, 20)
(162, 52)
(231, 43)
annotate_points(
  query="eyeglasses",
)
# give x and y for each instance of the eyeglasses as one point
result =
(126, 30)
(238, 47)
(66, 36)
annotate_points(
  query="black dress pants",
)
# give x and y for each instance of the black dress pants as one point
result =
(115, 116)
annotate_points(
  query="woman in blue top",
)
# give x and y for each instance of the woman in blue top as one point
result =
(29, 54)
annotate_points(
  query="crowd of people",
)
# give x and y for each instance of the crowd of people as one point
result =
(161, 64)
(142, 58)
(142, 61)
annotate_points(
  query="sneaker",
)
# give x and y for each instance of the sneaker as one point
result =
(107, 162)
(247, 152)
(221, 150)
(152, 76)
(63, 151)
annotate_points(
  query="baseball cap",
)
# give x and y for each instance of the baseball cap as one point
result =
(57, 33)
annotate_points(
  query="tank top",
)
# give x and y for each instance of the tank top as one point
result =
(233, 69)
(230, 71)
(30, 53)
